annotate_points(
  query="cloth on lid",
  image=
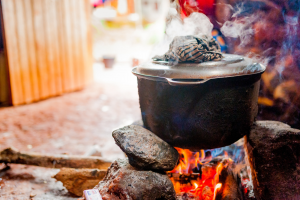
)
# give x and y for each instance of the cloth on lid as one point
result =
(191, 49)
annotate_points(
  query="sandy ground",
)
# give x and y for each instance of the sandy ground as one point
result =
(70, 124)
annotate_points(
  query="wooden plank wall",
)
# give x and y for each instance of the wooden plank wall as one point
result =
(49, 47)
(4, 86)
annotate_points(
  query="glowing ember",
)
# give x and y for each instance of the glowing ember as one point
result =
(196, 185)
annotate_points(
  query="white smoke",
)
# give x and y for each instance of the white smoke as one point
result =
(196, 24)
(240, 28)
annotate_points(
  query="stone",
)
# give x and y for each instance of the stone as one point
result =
(78, 180)
(124, 182)
(144, 149)
(273, 150)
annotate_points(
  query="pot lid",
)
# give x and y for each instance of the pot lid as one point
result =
(231, 65)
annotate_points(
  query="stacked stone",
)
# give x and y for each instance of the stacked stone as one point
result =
(142, 175)
(273, 150)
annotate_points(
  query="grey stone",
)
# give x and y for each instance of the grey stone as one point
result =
(273, 150)
(144, 149)
(124, 182)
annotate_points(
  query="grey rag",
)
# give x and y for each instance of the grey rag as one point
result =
(191, 49)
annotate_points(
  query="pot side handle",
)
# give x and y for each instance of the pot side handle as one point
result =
(184, 83)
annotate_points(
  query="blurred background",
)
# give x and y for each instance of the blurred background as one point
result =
(65, 68)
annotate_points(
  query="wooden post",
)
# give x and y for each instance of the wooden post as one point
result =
(48, 45)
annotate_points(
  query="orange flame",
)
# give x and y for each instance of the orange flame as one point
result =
(188, 162)
(184, 162)
(217, 188)
(218, 172)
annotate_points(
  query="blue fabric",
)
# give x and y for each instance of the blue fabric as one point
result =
(217, 35)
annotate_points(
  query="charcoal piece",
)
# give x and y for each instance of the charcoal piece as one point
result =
(124, 182)
(230, 187)
(144, 149)
(273, 150)
(186, 196)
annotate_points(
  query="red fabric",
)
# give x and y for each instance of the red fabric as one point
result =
(204, 6)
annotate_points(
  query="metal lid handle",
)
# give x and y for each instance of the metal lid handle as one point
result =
(182, 83)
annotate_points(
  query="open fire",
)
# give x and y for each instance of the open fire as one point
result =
(197, 174)
(216, 174)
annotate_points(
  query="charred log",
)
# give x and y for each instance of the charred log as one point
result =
(11, 155)
(230, 187)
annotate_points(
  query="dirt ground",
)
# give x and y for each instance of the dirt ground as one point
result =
(72, 124)
(75, 123)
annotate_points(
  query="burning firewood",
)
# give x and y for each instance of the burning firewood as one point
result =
(78, 180)
(230, 189)
(11, 155)
(217, 181)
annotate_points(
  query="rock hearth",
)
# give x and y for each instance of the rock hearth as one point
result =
(144, 149)
(274, 155)
(124, 182)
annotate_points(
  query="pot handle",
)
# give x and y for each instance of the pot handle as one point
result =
(184, 83)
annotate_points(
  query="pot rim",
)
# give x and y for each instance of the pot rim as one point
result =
(182, 82)
(230, 66)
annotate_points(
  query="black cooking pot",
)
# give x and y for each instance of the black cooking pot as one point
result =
(199, 106)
